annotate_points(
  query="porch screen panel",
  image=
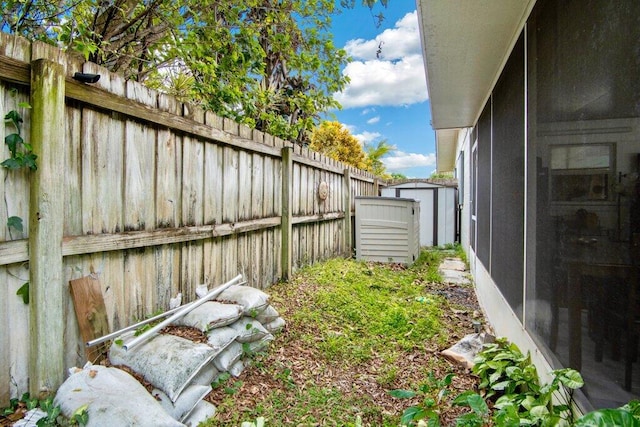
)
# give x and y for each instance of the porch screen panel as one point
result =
(472, 195)
(507, 252)
(583, 71)
(483, 188)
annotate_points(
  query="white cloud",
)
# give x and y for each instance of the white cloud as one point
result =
(394, 76)
(367, 137)
(394, 43)
(400, 160)
(373, 120)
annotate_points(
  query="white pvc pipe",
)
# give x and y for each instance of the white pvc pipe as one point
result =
(137, 325)
(184, 310)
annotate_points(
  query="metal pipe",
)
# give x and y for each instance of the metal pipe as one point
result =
(137, 325)
(184, 310)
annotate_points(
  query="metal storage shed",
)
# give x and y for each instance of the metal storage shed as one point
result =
(387, 229)
(438, 223)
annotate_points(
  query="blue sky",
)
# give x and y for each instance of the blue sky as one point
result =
(387, 96)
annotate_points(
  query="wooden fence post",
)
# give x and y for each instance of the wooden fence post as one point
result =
(287, 215)
(348, 244)
(46, 213)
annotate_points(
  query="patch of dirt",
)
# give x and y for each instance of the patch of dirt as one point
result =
(300, 367)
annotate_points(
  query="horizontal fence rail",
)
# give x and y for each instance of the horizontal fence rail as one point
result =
(153, 197)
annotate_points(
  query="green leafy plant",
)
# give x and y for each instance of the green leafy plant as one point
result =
(23, 291)
(510, 380)
(21, 153)
(53, 415)
(15, 222)
(479, 415)
(624, 416)
(432, 392)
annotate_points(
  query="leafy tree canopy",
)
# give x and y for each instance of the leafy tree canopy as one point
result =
(375, 153)
(270, 64)
(334, 140)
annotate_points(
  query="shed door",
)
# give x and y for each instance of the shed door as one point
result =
(427, 212)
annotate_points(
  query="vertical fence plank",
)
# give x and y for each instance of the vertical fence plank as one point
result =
(46, 369)
(287, 217)
(348, 244)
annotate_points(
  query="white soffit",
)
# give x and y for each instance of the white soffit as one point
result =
(465, 44)
(446, 149)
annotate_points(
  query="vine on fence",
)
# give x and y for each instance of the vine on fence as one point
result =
(20, 156)
(21, 153)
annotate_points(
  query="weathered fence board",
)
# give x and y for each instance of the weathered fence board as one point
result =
(158, 197)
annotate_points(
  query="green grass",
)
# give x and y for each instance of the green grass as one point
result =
(362, 309)
(348, 316)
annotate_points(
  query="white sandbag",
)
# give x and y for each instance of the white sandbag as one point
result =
(202, 412)
(206, 375)
(166, 361)
(253, 300)
(249, 330)
(113, 398)
(237, 368)
(210, 315)
(187, 401)
(269, 314)
(30, 418)
(275, 326)
(260, 345)
(220, 338)
(228, 356)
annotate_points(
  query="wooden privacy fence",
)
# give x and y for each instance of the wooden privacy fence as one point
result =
(152, 196)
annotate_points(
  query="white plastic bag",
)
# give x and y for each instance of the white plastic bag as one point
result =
(113, 398)
(202, 412)
(166, 361)
(228, 356)
(253, 300)
(269, 314)
(220, 338)
(181, 408)
(249, 330)
(275, 326)
(210, 315)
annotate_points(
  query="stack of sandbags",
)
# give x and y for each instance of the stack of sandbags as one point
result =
(238, 324)
(175, 366)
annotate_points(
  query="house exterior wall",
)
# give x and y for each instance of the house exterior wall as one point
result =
(549, 195)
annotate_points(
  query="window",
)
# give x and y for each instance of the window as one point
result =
(581, 173)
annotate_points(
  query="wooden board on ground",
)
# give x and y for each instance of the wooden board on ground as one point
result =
(91, 313)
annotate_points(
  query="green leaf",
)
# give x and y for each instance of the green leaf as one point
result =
(539, 411)
(402, 394)
(13, 140)
(15, 222)
(477, 404)
(572, 379)
(14, 117)
(29, 160)
(23, 291)
(606, 418)
(412, 413)
(11, 163)
(501, 385)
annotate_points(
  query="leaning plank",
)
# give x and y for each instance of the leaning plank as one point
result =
(91, 312)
